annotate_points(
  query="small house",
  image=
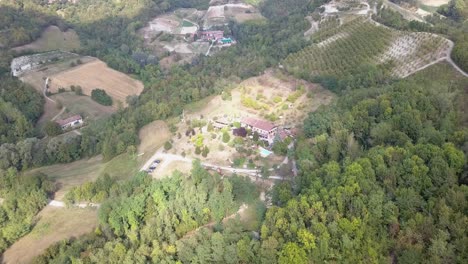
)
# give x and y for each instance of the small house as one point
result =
(72, 121)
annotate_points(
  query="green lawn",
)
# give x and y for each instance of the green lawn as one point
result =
(186, 23)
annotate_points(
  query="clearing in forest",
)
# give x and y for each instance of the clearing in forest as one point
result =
(152, 136)
(218, 15)
(272, 96)
(53, 39)
(54, 224)
(343, 49)
(82, 105)
(97, 74)
(69, 175)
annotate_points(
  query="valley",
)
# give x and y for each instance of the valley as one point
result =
(233, 131)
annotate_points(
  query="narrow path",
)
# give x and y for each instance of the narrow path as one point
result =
(208, 51)
(60, 204)
(57, 115)
(44, 92)
(242, 208)
(447, 58)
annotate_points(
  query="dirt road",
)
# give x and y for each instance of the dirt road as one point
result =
(447, 58)
(166, 159)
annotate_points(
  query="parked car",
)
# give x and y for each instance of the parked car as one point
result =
(157, 161)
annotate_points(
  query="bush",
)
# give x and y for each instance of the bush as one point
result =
(101, 97)
(205, 151)
(52, 129)
(167, 145)
(61, 90)
(197, 150)
(78, 90)
(226, 137)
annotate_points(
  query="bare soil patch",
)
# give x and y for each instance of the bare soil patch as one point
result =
(53, 225)
(53, 39)
(97, 74)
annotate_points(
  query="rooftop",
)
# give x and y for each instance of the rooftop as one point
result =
(260, 124)
(66, 121)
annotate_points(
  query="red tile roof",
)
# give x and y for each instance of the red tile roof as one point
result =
(66, 121)
(257, 123)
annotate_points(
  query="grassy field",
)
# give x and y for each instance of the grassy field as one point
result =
(53, 39)
(361, 42)
(82, 105)
(53, 225)
(69, 175)
(153, 136)
(94, 75)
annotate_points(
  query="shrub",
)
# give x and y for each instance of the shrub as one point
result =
(101, 97)
(52, 129)
(205, 151)
(226, 137)
(61, 90)
(167, 145)
(78, 90)
(197, 150)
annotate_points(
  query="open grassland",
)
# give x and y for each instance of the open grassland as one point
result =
(343, 49)
(53, 225)
(53, 39)
(94, 75)
(153, 136)
(67, 176)
(82, 105)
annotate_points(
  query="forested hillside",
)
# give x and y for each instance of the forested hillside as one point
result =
(382, 170)
(383, 175)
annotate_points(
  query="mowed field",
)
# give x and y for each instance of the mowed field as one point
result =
(96, 74)
(153, 136)
(53, 225)
(82, 105)
(53, 39)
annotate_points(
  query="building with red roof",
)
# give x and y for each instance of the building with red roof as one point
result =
(265, 129)
(72, 121)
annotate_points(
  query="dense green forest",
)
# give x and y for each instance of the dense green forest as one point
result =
(23, 197)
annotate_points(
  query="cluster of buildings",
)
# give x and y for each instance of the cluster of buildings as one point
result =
(266, 130)
(214, 35)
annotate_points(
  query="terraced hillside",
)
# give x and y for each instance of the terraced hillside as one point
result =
(362, 41)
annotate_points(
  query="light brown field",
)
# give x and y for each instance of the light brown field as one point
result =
(37, 78)
(153, 136)
(53, 39)
(94, 75)
(54, 224)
